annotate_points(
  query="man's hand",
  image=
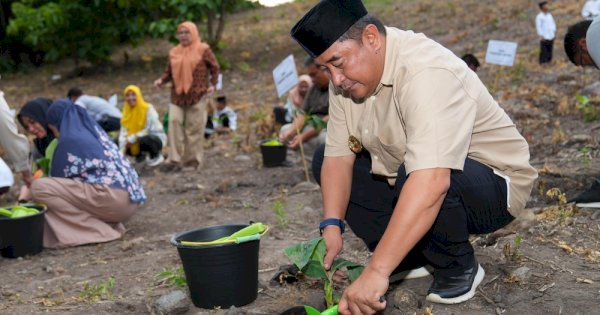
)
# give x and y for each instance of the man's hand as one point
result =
(158, 83)
(295, 143)
(289, 134)
(333, 244)
(363, 295)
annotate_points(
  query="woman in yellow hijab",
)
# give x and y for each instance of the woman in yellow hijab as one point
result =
(142, 135)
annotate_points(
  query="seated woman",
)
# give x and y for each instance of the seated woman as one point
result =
(285, 115)
(33, 118)
(92, 188)
(142, 134)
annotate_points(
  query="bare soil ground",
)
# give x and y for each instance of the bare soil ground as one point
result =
(560, 247)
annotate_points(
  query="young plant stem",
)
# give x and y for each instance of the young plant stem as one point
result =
(499, 73)
(328, 290)
(299, 135)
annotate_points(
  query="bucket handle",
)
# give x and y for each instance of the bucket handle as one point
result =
(239, 240)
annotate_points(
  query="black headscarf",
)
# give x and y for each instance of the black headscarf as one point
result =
(37, 109)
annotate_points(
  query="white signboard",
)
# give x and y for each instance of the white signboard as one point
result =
(285, 75)
(501, 53)
(220, 82)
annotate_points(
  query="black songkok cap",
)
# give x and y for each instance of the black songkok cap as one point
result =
(325, 23)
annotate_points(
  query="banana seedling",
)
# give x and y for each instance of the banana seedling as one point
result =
(308, 257)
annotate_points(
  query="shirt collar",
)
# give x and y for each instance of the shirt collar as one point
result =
(387, 78)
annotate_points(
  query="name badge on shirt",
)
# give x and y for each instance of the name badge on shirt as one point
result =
(354, 144)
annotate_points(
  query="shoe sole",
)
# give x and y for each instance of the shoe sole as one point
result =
(588, 205)
(412, 274)
(432, 297)
(155, 163)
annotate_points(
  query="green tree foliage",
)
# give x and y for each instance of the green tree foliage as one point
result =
(90, 30)
(211, 14)
(81, 30)
(12, 50)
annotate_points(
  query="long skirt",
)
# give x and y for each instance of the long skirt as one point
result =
(81, 213)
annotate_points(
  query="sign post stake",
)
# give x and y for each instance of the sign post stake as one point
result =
(500, 53)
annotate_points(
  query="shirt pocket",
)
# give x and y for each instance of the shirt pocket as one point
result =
(393, 149)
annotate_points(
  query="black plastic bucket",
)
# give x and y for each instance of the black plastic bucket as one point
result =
(219, 275)
(273, 155)
(22, 236)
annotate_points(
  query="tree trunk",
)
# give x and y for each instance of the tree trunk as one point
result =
(221, 26)
(215, 33)
(210, 39)
(3, 23)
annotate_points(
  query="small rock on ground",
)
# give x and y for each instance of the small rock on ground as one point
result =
(173, 303)
(521, 274)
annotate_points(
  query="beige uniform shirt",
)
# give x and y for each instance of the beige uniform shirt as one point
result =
(430, 111)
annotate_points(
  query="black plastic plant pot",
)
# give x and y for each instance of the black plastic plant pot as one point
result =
(296, 310)
(22, 236)
(220, 275)
(273, 155)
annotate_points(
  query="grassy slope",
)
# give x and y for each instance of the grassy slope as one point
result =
(257, 40)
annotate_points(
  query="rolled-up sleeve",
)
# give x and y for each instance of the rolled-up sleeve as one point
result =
(336, 143)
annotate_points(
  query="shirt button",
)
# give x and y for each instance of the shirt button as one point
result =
(375, 156)
(366, 130)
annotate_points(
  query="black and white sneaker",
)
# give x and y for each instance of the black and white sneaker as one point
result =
(152, 162)
(412, 274)
(453, 289)
(589, 198)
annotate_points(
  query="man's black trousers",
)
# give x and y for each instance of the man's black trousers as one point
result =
(546, 47)
(475, 204)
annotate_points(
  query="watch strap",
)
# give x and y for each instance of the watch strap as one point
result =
(332, 221)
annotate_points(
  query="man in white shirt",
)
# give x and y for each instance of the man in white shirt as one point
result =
(591, 9)
(546, 29)
(15, 145)
(107, 115)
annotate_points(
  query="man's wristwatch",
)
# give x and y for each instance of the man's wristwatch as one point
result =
(332, 221)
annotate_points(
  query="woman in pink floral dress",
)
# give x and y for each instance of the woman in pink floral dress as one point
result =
(92, 188)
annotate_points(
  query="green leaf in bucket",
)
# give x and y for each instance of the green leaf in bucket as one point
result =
(21, 211)
(5, 212)
(18, 212)
(248, 233)
(254, 228)
(272, 143)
